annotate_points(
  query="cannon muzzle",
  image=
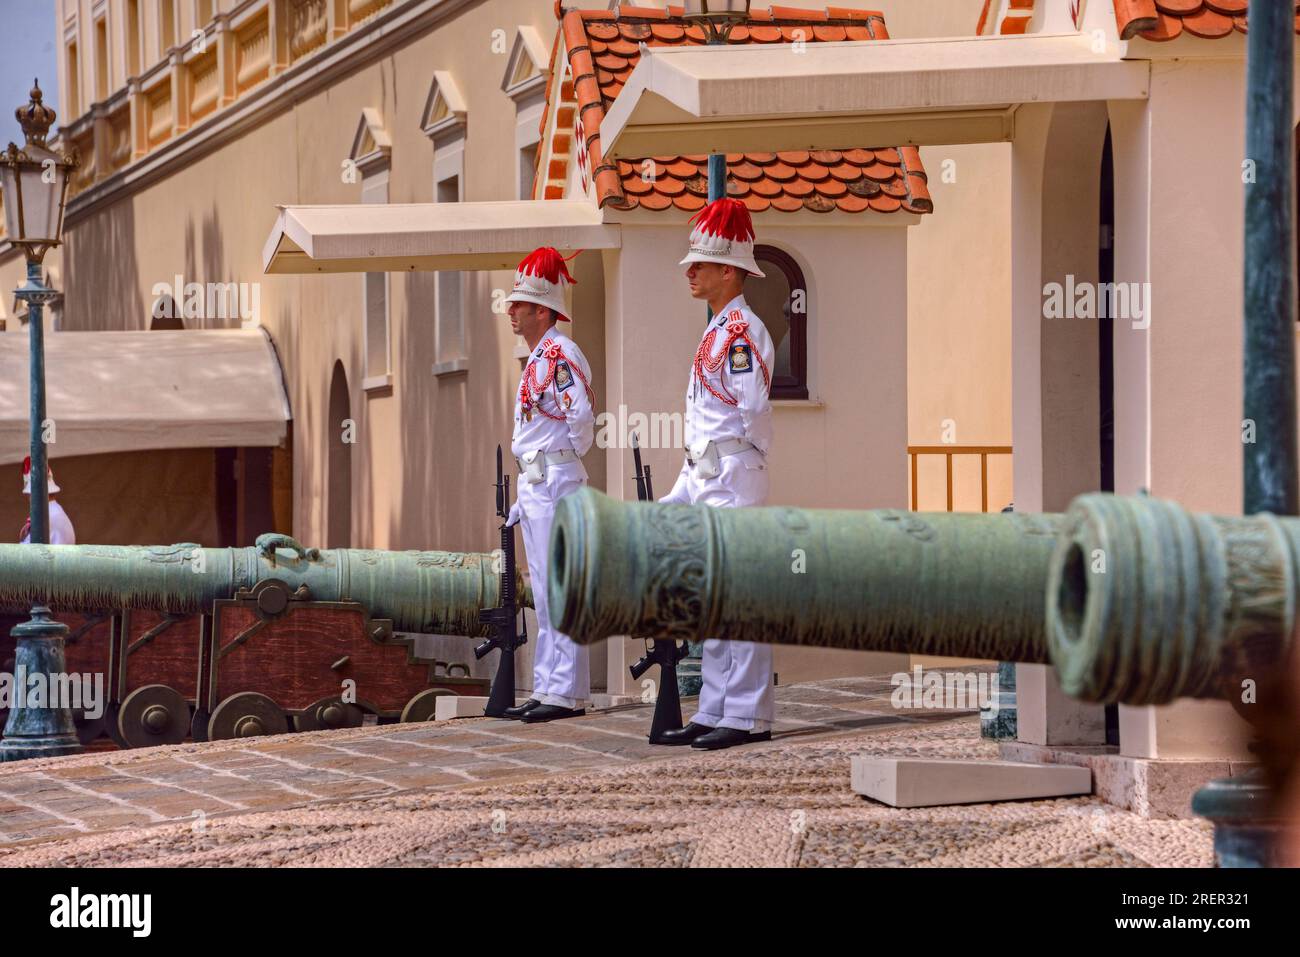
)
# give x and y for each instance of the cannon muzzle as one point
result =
(431, 592)
(967, 585)
(1148, 602)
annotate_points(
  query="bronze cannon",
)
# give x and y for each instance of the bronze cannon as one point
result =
(219, 643)
(1132, 600)
(430, 592)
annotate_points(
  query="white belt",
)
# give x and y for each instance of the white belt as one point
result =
(552, 458)
(725, 447)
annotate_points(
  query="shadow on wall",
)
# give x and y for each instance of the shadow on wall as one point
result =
(447, 435)
(211, 268)
(101, 273)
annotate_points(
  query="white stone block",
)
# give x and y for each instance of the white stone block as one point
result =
(930, 782)
(450, 706)
(600, 701)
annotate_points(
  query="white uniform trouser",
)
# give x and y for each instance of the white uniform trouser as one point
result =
(737, 675)
(561, 667)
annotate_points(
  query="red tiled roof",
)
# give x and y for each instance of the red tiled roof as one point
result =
(1016, 20)
(1169, 19)
(603, 46)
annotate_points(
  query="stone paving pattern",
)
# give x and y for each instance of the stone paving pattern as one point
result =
(585, 792)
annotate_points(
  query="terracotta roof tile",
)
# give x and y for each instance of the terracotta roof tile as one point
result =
(603, 47)
(1162, 20)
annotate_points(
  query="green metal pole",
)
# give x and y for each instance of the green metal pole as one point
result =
(1247, 829)
(38, 726)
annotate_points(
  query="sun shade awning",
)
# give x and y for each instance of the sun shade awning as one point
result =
(430, 236)
(125, 391)
(746, 98)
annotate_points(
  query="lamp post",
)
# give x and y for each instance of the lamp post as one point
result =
(717, 18)
(35, 183)
(1249, 825)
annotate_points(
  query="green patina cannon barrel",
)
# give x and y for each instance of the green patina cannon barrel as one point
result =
(1149, 602)
(1132, 600)
(431, 592)
(968, 585)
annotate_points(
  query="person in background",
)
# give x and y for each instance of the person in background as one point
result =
(61, 531)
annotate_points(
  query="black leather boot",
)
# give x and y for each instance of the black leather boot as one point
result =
(518, 711)
(550, 712)
(720, 738)
(684, 735)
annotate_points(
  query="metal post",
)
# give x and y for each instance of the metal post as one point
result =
(1247, 825)
(45, 730)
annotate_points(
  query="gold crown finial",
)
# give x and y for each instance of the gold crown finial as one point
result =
(35, 117)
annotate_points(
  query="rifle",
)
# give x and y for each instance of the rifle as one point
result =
(504, 620)
(663, 652)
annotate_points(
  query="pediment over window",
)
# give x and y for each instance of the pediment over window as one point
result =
(528, 64)
(445, 111)
(371, 146)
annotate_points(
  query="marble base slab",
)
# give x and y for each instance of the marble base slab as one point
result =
(1150, 787)
(932, 782)
(451, 706)
(601, 701)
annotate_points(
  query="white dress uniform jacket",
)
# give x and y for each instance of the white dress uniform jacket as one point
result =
(727, 399)
(553, 414)
(61, 532)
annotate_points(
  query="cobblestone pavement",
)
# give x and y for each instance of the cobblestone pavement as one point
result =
(587, 791)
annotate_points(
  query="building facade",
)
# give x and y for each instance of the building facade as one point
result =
(194, 121)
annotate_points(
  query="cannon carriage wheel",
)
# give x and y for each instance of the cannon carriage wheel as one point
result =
(152, 715)
(328, 714)
(423, 706)
(246, 715)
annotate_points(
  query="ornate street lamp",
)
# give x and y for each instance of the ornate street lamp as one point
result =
(35, 183)
(717, 18)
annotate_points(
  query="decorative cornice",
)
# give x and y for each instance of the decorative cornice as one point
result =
(392, 29)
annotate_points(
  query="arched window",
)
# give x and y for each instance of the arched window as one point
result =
(780, 299)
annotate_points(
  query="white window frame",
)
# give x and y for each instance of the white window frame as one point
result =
(372, 155)
(451, 358)
(374, 189)
(444, 120)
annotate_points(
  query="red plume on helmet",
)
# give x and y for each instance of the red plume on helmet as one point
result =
(541, 278)
(725, 217)
(51, 487)
(724, 234)
(547, 263)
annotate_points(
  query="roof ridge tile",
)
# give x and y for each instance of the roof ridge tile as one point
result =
(599, 46)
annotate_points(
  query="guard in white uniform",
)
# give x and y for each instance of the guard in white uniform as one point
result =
(61, 532)
(728, 434)
(554, 427)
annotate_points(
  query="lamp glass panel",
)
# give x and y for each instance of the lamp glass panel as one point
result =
(9, 182)
(41, 187)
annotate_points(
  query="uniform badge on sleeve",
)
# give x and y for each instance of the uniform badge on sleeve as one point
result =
(563, 376)
(740, 359)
